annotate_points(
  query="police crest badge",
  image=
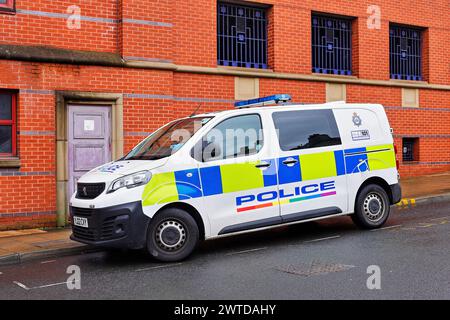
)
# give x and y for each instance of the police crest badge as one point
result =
(356, 119)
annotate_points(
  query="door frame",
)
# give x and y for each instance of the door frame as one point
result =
(63, 98)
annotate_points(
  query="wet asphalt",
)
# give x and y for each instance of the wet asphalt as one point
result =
(328, 259)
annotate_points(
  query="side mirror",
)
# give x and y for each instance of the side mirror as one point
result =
(210, 151)
(206, 151)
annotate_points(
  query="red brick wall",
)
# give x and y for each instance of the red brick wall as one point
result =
(35, 24)
(184, 32)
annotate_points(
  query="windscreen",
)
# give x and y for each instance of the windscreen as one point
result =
(167, 140)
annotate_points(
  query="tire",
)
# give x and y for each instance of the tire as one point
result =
(372, 207)
(172, 235)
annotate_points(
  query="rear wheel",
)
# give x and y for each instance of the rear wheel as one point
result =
(372, 207)
(172, 235)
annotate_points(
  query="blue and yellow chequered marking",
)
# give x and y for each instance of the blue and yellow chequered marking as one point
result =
(370, 159)
(356, 160)
(379, 160)
(214, 180)
(211, 180)
(289, 174)
(188, 184)
(318, 165)
(194, 183)
(162, 188)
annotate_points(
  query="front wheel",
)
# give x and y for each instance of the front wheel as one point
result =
(172, 235)
(372, 207)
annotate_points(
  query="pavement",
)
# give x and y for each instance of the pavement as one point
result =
(21, 245)
(17, 246)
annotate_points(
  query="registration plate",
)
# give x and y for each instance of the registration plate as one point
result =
(80, 222)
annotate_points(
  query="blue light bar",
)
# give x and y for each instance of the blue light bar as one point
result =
(259, 102)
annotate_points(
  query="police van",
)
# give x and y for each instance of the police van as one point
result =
(264, 164)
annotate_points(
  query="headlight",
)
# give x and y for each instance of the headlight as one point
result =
(130, 181)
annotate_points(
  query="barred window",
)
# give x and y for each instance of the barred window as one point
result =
(8, 123)
(405, 49)
(241, 36)
(331, 45)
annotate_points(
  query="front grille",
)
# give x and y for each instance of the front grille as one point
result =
(84, 233)
(107, 230)
(89, 190)
(100, 228)
(82, 212)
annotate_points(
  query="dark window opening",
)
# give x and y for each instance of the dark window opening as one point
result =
(405, 53)
(7, 124)
(331, 45)
(306, 129)
(7, 5)
(241, 36)
(410, 149)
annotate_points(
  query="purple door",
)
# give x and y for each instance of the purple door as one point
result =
(89, 140)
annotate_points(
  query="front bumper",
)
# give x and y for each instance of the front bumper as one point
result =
(121, 226)
(396, 192)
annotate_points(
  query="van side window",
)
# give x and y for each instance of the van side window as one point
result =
(306, 129)
(234, 137)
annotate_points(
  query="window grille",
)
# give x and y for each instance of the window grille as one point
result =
(331, 45)
(241, 36)
(405, 52)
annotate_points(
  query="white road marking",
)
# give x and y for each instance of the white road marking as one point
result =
(441, 218)
(322, 239)
(54, 284)
(425, 225)
(159, 267)
(43, 286)
(245, 251)
(386, 228)
(49, 261)
(21, 285)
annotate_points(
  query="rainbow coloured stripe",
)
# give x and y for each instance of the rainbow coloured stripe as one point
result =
(285, 201)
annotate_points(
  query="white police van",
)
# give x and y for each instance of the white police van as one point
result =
(262, 165)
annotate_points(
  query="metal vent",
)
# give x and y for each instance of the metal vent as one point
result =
(409, 145)
(89, 190)
(315, 268)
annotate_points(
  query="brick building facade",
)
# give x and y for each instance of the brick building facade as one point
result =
(151, 61)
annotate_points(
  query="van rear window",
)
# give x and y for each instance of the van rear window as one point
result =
(305, 129)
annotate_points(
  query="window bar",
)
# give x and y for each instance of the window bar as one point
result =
(414, 62)
(342, 45)
(251, 48)
(258, 44)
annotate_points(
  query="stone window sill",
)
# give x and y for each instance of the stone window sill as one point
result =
(334, 76)
(9, 162)
(244, 69)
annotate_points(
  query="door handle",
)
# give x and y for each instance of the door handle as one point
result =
(290, 162)
(263, 165)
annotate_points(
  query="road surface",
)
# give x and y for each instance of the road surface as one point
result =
(328, 259)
